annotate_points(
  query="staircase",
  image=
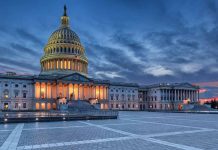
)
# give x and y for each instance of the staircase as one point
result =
(80, 105)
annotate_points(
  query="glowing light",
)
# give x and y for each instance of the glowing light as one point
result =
(5, 119)
(202, 90)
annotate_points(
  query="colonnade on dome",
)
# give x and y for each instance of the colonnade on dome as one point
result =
(65, 64)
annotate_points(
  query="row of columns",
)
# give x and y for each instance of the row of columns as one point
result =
(70, 91)
(64, 64)
(64, 50)
(180, 94)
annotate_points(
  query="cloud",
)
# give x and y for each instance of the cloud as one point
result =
(158, 71)
(19, 65)
(28, 36)
(108, 74)
(24, 50)
(207, 84)
(190, 68)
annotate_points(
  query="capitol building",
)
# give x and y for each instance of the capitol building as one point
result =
(64, 77)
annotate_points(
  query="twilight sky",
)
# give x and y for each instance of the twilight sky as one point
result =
(142, 41)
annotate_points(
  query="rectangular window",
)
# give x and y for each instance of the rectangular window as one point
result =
(24, 95)
(16, 105)
(24, 105)
(16, 94)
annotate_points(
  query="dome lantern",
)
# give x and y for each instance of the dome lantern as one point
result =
(65, 18)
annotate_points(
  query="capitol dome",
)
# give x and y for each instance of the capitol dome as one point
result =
(64, 53)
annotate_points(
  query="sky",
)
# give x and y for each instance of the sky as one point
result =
(139, 41)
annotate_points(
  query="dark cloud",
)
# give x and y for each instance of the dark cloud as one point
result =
(176, 41)
(25, 50)
(28, 36)
(19, 65)
(188, 44)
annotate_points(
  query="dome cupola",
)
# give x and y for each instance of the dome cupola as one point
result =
(64, 53)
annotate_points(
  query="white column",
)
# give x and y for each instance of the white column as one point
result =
(78, 91)
(103, 92)
(88, 89)
(46, 90)
(40, 95)
(68, 91)
(83, 92)
(95, 91)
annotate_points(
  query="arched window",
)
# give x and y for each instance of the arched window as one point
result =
(6, 93)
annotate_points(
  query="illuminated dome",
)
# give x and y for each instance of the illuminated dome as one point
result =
(64, 54)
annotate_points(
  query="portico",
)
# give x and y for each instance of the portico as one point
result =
(49, 93)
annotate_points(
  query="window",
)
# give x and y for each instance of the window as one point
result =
(128, 105)
(133, 97)
(24, 105)
(116, 105)
(133, 106)
(117, 97)
(112, 97)
(123, 97)
(24, 86)
(24, 95)
(16, 93)
(112, 105)
(111, 90)
(16, 105)
(16, 85)
(6, 85)
(6, 93)
(116, 90)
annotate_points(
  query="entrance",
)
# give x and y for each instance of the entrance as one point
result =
(5, 106)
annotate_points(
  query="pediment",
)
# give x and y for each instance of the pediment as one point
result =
(75, 77)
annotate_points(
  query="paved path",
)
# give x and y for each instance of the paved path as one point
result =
(133, 131)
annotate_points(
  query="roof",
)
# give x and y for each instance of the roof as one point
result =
(170, 85)
(124, 84)
(15, 76)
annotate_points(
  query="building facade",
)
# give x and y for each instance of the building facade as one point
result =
(167, 96)
(16, 92)
(123, 96)
(64, 77)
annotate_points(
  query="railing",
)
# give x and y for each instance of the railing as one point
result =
(56, 114)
